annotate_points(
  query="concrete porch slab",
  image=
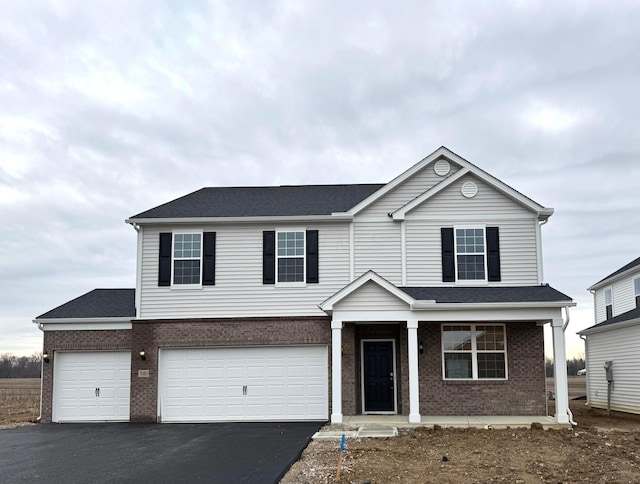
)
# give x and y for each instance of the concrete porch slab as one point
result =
(334, 434)
(364, 432)
(494, 422)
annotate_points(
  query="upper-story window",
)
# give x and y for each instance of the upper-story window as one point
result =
(636, 286)
(187, 259)
(291, 256)
(470, 254)
(608, 302)
(187, 252)
(474, 352)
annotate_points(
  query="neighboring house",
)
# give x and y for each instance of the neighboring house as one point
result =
(420, 297)
(615, 337)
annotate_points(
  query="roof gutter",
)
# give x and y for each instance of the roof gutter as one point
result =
(334, 217)
(432, 305)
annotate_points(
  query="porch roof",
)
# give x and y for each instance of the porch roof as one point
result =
(498, 294)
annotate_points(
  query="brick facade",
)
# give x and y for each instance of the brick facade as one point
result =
(522, 394)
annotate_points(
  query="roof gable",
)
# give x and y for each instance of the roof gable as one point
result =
(623, 270)
(465, 167)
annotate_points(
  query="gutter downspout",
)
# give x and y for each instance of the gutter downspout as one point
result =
(539, 236)
(564, 328)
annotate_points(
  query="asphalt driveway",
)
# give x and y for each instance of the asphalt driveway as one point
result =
(101, 453)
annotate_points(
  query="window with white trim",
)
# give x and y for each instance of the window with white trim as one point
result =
(187, 255)
(608, 303)
(474, 352)
(636, 286)
(470, 254)
(290, 253)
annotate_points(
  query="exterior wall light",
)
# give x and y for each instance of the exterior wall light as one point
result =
(143, 355)
(45, 356)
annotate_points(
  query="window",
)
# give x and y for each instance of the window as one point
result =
(470, 254)
(474, 352)
(290, 256)
(636, 285)
(608, 303)
(186, 258)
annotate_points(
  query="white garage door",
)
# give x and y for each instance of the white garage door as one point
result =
(234, 384)
(91, 386)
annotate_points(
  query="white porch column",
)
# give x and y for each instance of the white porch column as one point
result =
(560, 371)
(336, 371)
(414, 388)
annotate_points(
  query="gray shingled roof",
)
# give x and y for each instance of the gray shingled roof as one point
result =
(263, 201)
(486, 294)
(99, 303)
(624, 268)
(628, 316)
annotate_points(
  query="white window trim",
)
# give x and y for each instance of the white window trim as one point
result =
(474, 352)
(173, 259)
(302, 283)
(610, 289)
(470, 282)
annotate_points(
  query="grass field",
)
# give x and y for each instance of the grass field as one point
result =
(19, 400)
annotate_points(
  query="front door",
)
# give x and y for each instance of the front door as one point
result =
(378, 376)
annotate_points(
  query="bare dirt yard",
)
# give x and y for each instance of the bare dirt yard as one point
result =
(599, 449)
(19, 401)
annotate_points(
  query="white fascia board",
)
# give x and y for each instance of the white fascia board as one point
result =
(80, 324)
(435, 306)
(489, 314)
(610, 280)
(402, 211)
(271, 219)
(442, 151)
(609, 327)
(369, 276)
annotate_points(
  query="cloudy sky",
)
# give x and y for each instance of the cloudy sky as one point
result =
(110, 108)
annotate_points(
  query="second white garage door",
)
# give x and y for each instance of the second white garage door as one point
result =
(248, 383)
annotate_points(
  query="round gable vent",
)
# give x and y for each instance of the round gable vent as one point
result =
(442, 167)
(469, 189)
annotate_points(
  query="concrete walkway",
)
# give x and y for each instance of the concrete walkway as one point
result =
(358, 426)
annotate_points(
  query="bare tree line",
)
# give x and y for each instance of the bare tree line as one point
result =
(12, 366)
(573, 365)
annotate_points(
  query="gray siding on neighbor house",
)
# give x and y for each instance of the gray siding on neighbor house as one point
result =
(620, 346)
(623, 295)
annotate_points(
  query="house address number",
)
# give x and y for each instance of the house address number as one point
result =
(143, 373)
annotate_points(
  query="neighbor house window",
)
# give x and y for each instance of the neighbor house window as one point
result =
(470, 254)
(636, 285)
(474, 352)
(290, 256)
(187, 255)
(608, 303)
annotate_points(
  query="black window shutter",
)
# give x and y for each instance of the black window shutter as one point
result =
(493, 254)
(312, 256)
(164, 263)
(209, 259)
(268, 257)
(448, 256)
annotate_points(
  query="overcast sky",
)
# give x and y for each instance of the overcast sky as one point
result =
(111, 108)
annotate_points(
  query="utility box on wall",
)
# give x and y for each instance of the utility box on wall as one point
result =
(608, 368)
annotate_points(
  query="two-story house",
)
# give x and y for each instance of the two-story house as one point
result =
(420, 297)
(615, 338)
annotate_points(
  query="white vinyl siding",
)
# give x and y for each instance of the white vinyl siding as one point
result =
(518, 257)
(371, 297)
(517, 225)
(378, 248)
(243, 384)
(623, 295)
(239, 291)
(621, 347)
(407, 191)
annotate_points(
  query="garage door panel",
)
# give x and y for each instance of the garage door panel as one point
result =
(255, 383)
(91, 386)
